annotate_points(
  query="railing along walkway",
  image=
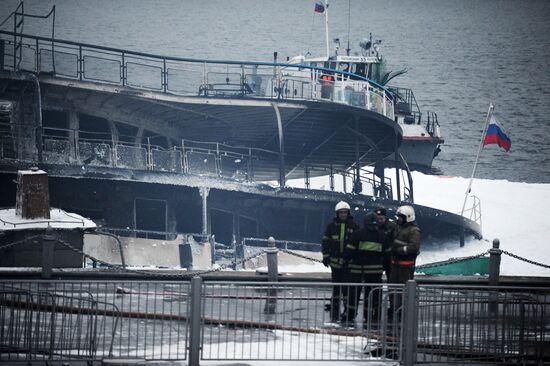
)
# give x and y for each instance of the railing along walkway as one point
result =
(247, 321)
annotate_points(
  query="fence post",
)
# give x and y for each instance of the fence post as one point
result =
(47, 254)
(384, 305)
(272, 274)
(212, 241)
(494, 272)
(494, 263)
(195, 318)
(234, 246)
(408, 340)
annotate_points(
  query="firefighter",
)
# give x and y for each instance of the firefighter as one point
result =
(405, 247)
(337, 236)
(364, 257)
(386, 230)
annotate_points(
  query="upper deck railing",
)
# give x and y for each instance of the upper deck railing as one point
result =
(187, 76)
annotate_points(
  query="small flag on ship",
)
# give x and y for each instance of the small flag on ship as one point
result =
(496, 135)
(319, 7)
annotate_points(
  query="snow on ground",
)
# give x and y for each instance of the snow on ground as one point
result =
(515, 213)
(288, 346)
(518, 214)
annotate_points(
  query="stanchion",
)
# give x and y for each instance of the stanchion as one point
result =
(47, 253)
(195, 323)
(495, 254)
(272, 274)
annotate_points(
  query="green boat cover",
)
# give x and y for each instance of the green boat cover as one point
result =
(455, 266)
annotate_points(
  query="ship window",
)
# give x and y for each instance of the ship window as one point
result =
(55, 123)
(150, 215)
(94, 128)
(360, 69)
(222, 225)
(344, 66)
(126, 133)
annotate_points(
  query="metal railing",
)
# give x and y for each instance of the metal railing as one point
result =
(61, 146)
(282, 244)
(84, 320)
(406, 104)
(432, 125)
(165, 320)
(186, 76)
(288, 321)
(496, 324)
(473, 212)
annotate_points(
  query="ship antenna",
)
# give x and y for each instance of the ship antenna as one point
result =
(349, 25)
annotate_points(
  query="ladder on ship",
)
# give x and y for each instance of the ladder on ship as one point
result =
(19, 16)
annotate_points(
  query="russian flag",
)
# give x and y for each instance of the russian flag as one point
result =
(319, 7)
(495, 135)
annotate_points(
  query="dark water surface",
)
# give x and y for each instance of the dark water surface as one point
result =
(461, 55)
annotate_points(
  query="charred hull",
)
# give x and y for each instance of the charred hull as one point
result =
(167, 203)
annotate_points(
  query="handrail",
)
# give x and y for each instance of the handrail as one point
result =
(152, 72)
(475, 210)
(195, 60)
(67, 150)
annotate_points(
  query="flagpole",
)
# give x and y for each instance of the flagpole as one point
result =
(469, 189)
(326, 28)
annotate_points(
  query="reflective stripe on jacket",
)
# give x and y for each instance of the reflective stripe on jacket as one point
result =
(337, 236)
(365, 253)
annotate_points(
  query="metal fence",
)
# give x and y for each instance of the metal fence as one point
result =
(175, 320)
(483, 324)
(84, 320)
(289, 321)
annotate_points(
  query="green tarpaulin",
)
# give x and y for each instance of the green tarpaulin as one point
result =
(468, 267)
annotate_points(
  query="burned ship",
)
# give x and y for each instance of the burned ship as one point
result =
(151, 146)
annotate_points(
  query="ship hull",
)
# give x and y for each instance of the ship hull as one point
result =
(170, 203)
(418, 152)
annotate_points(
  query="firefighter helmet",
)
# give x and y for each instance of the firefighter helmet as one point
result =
(407, 212)
(342, 206)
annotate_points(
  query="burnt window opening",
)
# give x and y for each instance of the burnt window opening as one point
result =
(126, 133)
(155, 140)
(55, 123)
(150, 218)
(222, 225)
(94, 128)
(248, 227)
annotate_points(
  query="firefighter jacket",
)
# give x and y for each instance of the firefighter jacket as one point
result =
(337, 236)
(365, 252)
(406, 244)
(387, 232)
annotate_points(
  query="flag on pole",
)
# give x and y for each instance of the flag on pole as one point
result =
(495, 135)
(319, 7)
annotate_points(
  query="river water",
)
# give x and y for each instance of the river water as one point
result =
(460, 55)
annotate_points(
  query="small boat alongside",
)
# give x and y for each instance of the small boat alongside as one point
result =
(464, 266)
(422, 137)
